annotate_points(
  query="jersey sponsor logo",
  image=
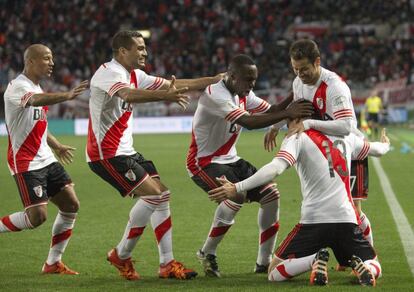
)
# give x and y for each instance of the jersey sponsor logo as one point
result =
(126, 106)
(38, 191)
(130, 175)
(39, 114)
(234, 128)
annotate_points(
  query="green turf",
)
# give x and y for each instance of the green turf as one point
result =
(103, 216)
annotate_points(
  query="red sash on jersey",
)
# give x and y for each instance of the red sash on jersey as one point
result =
(319, 99)
(338, 160)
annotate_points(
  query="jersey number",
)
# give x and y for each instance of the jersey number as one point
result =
(353, 180)
(340, 170)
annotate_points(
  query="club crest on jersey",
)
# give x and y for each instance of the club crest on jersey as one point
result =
(38, 191)
(319, 102)
(130, 175)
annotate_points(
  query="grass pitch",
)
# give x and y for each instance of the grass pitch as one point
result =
(104, 213)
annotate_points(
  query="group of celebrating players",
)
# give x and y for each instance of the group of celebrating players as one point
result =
(321, 142)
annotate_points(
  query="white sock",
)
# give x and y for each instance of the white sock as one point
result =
(223, 219)
(268, 221)
(161, 224)
(291, 268)
(15, 222)
(366, 228)
(139, 217)
(374, 267)
(61, 233)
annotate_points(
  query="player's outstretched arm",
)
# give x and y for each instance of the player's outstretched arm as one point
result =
(264, 175)
(63, 152)
(198, 83)
(41, 99)
(295, 110)
(132, 95)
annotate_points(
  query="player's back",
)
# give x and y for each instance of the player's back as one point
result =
(322, 165)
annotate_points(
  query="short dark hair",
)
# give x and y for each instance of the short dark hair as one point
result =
(304, 48)
(240, 60)
(123, 39)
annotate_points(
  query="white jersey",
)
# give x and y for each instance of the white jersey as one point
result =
(27, 127)
(215, 132)
(323, 163)
(330, 96)
(110, 119)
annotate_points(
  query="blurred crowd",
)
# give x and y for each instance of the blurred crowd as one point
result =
(363, 41)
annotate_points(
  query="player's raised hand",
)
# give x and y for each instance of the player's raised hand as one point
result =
(65, 154)
(78, 89)
(270, 139)
(226, 191)
(384, 137)
(300, 109)
(176, 95)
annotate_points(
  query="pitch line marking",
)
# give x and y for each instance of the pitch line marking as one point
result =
(403, 226)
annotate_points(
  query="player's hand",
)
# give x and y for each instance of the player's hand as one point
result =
(300, 109)
(295, 127)
(176, 95)
(270, 139)
(78, 89)
(226, 191)
(384, 137)
(64, 154)
(219, 77)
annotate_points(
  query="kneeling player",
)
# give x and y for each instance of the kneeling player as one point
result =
(328, 217)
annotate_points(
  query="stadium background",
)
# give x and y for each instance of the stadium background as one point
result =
(369, 43)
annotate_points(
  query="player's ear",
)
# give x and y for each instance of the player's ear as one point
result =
(122, 51)
(317, 62)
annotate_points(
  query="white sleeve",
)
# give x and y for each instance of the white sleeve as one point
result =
(19, 94)
(218, 103)
(339, 97)
(110, 81)
(378, 149)
(144, 81)
(340, 127)
(264, 175)
(360, 147)
(256, 105)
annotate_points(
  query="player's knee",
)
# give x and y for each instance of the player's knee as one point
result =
(36, 216)
(148, 188)
(73, 206)
(269, 194)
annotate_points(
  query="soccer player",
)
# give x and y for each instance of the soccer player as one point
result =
(328, 216)
(223, 109)
(331, 98)
(115, 87)
(38, 175)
